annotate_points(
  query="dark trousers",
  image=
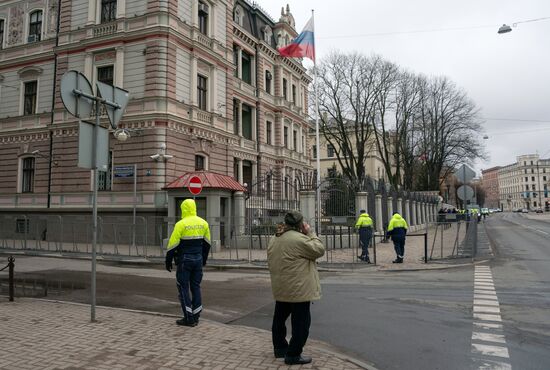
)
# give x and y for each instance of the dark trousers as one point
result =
(188, 279)
(300, 319)
(365, 235)
(399, 246)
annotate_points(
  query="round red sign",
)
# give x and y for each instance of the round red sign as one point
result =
(195, 185)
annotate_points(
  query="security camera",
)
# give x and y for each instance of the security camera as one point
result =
(168, 156)
(155, 157)
(121, 135)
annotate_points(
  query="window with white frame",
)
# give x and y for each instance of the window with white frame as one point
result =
(268, 132)
(2, 32)
(238, 15)
(27, 174)
(203, 17)
(246, 112)
(106, 74)
(200, 163)
(202, 91)
(30, 90)
(108, 11)
(35, 26)
(285, 89)
(285, 137)
(104, 177)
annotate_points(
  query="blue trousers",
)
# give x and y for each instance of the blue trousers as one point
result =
(188, 279)
(399, 246)
(365, 235)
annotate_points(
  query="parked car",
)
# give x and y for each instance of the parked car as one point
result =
(524, 210)
(539, 210)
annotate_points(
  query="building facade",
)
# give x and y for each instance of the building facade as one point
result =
(524, 184)
(489, 183)
(208, 92)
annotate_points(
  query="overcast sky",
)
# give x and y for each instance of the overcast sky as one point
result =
(508, 76)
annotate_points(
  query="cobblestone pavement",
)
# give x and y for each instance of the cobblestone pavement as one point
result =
(49, 335)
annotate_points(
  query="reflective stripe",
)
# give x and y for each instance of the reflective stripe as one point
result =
(188, 309)
(197, 310)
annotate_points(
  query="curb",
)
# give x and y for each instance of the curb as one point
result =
(437, 268)
(321, 346)
(140, 261)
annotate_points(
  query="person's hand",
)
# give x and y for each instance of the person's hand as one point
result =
(306, 228)
(168, 266)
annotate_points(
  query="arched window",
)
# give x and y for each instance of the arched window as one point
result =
(35, 26)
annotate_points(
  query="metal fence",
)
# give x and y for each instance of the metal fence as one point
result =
(233, 240)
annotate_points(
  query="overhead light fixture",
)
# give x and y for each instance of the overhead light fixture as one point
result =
(504, 29)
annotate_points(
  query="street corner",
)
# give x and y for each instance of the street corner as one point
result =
(60, 335)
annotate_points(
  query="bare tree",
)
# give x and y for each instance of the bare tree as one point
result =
(448, 129)
(347, 88)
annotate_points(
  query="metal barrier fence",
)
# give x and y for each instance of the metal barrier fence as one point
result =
(233, 240)
(11, 281)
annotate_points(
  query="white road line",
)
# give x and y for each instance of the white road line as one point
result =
(487, 317)
(485, 302)
(493, 365)
(488, 337)
(488, 350)
(485, 297)
(487, 325)
(482, 284)
(484, 290)
(484, 280)
(486, 309)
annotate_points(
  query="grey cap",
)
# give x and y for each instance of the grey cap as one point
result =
(293, 218)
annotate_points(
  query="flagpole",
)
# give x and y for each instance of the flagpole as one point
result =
(317, 144)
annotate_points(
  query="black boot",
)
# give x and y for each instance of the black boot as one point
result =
(185, 322)
(196, 317)
(397, 260)
(279, 352)
(297, 360)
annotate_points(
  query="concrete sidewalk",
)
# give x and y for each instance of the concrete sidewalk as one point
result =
(53, 335)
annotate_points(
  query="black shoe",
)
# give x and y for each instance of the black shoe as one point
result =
(367, 260)
(279, 352)
(196, 318)
(397, 260)
(185, 322)
(360, 258)
(297, 360)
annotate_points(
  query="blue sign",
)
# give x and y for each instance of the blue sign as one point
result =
(123, 171)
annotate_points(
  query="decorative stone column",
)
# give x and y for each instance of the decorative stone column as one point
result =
(413, 213)
(307, 206)
(362, 201)
(239, 213)
(400, 206)
(407, 210)
(390, 208)
(378, 216)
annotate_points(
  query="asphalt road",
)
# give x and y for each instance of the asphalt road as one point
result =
(522, 281)
(424, 320)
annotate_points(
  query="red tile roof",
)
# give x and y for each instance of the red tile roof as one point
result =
(209, 180)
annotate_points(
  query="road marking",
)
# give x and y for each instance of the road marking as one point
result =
(488, 350)
(490, 342)
(488, 337)
(487, 309)
(484, 302)
(487, 317)
(487, 325)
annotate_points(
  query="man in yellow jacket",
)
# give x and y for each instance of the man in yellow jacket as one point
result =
(364, 226)
(397, 228)
(189, 245)
(291, 256)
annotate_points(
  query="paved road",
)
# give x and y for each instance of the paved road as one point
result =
(429, 320)
(522, 281)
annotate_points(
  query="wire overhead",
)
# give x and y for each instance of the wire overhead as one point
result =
(432, 30)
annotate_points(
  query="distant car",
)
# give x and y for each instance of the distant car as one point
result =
(538, 210)
(485, 211)
(524, 210)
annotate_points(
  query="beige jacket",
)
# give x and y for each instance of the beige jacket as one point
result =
(291, 259)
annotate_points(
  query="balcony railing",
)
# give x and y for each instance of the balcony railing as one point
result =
(105, 29)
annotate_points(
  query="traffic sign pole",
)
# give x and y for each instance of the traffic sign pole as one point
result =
(94, 210)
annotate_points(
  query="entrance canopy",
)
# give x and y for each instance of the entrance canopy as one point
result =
(210, 180)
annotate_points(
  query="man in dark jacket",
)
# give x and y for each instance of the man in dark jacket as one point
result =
(189, 246)
(397, 229)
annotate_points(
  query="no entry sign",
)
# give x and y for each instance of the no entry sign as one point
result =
(195, 185)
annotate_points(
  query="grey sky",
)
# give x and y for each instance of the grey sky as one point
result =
(508, 76)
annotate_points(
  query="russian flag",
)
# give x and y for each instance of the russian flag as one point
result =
(301, 46)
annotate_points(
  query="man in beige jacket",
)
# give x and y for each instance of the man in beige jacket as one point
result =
(291, 256)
